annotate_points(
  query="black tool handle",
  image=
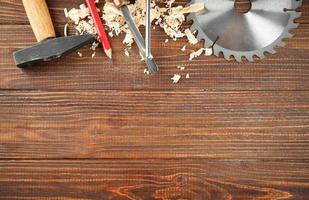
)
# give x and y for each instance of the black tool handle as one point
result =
(40, 20)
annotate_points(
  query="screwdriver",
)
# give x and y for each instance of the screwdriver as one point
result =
(144, 50)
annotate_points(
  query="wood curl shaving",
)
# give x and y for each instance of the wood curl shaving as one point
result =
(167, 16)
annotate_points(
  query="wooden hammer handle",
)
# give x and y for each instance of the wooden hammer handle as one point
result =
(40, 20)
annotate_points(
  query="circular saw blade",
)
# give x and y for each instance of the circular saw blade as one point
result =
(245, 34)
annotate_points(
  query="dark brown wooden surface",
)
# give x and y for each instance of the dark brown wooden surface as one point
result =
(82, 128)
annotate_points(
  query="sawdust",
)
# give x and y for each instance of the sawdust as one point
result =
(195, 54)
(126, 52)
(183, 49)
(197, 7)
(79, 54)
(146, 72)
(65, 30)
(170, 18)
(181, 68)
(191, 38)
(80, 19)
(167, 16)
(208, 52)
(176, 78)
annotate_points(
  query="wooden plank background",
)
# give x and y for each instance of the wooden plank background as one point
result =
(82, 128)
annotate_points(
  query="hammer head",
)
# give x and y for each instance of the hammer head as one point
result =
(50, 48)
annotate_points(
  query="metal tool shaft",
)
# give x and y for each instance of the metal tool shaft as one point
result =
(148, 29)
(152, 67)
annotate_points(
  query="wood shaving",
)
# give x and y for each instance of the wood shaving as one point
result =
(196, 54)
(176, 78)
(169, 18)
(65, 30)
(126, 52)
(146, 71)
(81, 20)
(77, 14)
(208, 51)
(128, 39)
(183, 49)
(94, 46)
(197, 7)
(86, 27)
(181, 68)
(142, 57)
(191, 38)
(66, 14)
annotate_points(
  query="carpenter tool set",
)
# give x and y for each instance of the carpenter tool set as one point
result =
(241, 35)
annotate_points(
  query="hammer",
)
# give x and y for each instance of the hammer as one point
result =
(49, 46)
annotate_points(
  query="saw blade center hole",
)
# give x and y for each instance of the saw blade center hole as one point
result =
(242, 6)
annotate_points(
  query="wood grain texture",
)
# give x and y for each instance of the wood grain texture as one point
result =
(287, 70)
(115, 124)
(82, 128)
(154, 179)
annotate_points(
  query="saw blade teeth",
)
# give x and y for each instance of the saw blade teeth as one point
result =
(226, 56)
(194, 28)
(249, 58)
(297, 4)
(294, 25)
(216, 51)
(206, 34)
(261, 55)
(238, 57)
(282, 44)
(199, 37)
(271, 51)
(207, 44)
(288, 35)
(295, 15)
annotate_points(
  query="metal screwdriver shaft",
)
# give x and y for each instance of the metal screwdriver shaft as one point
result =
(135, 32)
(152, 66)
(148, 30)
